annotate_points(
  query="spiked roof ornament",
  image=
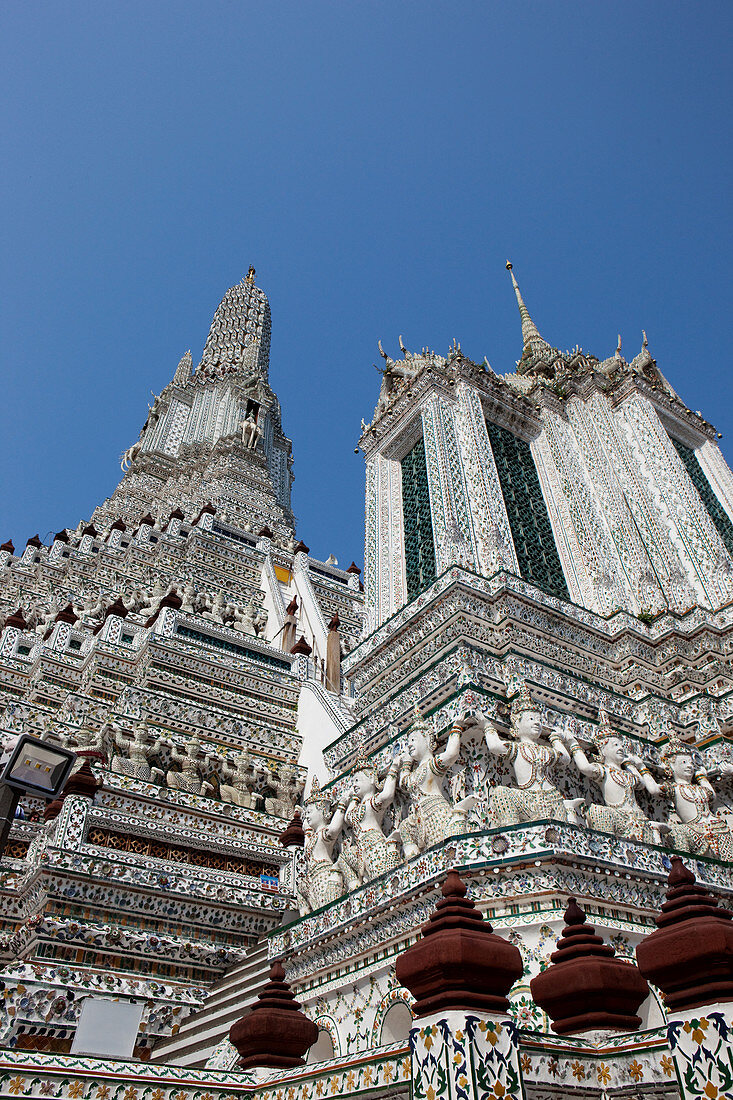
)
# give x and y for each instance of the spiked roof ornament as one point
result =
(317, 797)
(362, 763)
(522, 701)
(530, 333)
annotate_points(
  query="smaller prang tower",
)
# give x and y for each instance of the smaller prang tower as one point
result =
(214, 435)
(591, 480)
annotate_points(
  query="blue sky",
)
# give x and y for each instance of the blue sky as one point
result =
(377, 163)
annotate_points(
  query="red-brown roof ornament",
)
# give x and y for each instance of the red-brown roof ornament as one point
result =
(61, 536)
(17, 619)
(90, 529)
(292, 607)
(690, 955)
(67, 615)
(335, 622)
(146, 519)
(586, 987)
(301, 548)
(354, 568)
(83, 782)
(8, 546)
(117, 608)
(294, 835)
(118, 525)
(171, 600)
(459, 962)
(301, 646)
(275, 1033)
(176, 514)
(35, 541)
(264, 533)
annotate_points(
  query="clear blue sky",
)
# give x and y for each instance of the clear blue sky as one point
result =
(377, 163)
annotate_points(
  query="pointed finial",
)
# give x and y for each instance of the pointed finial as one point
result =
(251, 274)
(618, 347)
(644, 341)
(382, 352)
(530, 334)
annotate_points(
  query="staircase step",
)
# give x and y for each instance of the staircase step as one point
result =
(227, 1001)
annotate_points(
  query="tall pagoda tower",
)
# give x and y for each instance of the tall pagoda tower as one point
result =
(533, 692)
(214, 435)
(176, 641)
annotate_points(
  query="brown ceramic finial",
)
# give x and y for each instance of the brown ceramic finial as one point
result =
(264, 532)
(294, 835)
(117, 608)
(335, 622)
(17, 619)
(82, 782)
(301, 646)
(458, 963)
(300, 548)
(8, 546)
(275, 1033)
(171, 600)
(586, 987)
(690, 955)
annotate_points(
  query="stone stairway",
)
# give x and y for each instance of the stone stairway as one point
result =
(207, 1026)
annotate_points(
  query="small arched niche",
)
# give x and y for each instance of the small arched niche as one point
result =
(322, 1049)
(396, 1024)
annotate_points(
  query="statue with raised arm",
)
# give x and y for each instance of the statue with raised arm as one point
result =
(188, 777)
(432, 818)
(240, 781)
(375, 853)
(91, 745)
(619, 776)
(137, 753)
(326, 877)
(694, 828)
(287, 787)
(535, 797)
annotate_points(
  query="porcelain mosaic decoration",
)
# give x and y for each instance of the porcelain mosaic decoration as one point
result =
(532, 685)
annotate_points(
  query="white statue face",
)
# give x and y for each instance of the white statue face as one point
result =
(613, 751)
(417, 745)
(314, 816)
(683, 767)
(529, 725)
(364, 785)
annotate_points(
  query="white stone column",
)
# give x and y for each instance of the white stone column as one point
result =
(702, 1051)
(384, 548)
(458, 1055)
(453, 527)
(494, 547)
(696, 544)
(718, 473)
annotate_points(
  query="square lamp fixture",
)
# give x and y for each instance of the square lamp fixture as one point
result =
(37, 767)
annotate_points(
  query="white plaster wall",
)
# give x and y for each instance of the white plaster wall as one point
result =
(317, 729)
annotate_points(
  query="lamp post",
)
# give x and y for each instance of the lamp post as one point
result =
(31, 766)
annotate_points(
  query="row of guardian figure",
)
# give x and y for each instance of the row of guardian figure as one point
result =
(333, 865)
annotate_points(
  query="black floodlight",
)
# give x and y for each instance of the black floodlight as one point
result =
(37, 767)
